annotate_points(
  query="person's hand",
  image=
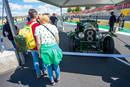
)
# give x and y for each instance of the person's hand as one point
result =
(40, 56)
(17, 31)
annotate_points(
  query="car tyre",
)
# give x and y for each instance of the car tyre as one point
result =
(108, 45)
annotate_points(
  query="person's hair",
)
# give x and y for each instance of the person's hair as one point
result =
(53, 14)
(32, 13)
(44, 19)
(43, 14)
(112, 12)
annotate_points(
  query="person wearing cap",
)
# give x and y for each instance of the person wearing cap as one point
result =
(121, 20)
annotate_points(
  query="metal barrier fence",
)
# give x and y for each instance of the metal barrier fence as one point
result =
(115, 56)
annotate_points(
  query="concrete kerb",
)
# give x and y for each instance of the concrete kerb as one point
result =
(8, 61)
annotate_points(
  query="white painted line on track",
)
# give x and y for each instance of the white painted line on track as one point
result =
(128, 34)
(118, 32)
(70, 23)
(103, 29)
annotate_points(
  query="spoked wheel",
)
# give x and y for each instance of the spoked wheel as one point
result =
(108, 45)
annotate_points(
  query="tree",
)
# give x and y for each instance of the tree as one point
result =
(69, 10)
(73, 10)
(78, 9)
(87, 7)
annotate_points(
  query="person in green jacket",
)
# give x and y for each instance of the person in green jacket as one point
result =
(47, 40)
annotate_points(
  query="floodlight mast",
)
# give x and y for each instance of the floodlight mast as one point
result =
(11, 24)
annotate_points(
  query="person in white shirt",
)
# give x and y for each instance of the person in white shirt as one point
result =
(47, 40)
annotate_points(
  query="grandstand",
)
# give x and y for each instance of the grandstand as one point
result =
(104, 13)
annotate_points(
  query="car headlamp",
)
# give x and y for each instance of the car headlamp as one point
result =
(81, 35)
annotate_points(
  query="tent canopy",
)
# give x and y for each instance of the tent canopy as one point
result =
(74, 3)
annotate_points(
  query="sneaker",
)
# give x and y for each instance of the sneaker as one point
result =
(52, 83)
(38, 76)
(57, 80)
(44, 72)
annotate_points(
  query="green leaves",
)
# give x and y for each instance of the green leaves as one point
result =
(74, 9)
(69, 10)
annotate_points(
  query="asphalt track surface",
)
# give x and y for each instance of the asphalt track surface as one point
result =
(75, 71)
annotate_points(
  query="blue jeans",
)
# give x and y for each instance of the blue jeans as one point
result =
(36, 62)
(50, 72)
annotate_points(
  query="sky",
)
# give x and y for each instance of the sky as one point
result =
(21, 7)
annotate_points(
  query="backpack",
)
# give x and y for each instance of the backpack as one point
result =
(28, 34)
(21, 43)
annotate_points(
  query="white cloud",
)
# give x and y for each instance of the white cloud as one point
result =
(50, 9)
(44, 9)
(19, 10)
(64, 10)
(28, 6)
(16, 13)
(50, 6)
(15, 6)
(30, 1)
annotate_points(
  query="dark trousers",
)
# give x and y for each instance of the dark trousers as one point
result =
(13, 43)
(111, 27)
(54, 23)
